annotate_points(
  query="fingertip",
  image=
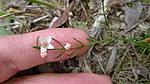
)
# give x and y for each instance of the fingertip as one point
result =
(104, 79)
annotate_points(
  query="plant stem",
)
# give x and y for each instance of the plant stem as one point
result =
(107, 39)
(74, 47)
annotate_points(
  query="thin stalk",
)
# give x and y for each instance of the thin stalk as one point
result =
(119, 64)
(58, 42)
(107, 39)
(104, 10)
(78, 41)
(59, 55)
(37, 41)
(76, 52)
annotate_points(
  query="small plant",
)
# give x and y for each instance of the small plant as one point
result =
(45, 46)
(140, 44)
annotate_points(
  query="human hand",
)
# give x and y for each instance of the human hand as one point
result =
(16, 54)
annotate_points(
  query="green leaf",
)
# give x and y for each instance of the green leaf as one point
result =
(36, 47)
(76, 52)
(78, 24)
(51, 5)
(148, 32)
(7, 24)
(91, 40)
(9, 17)
(58, 42)
(59, 55)
(78, 41)
(37, 40)
(4, 32)
(81, 25)
(3, 4)
(145, 0)
(131, 40)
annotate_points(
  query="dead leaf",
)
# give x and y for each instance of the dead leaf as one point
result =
(63, 18)
(132, 14)
(114, 2)
(52, 22)
(83, 14)
(111, 60)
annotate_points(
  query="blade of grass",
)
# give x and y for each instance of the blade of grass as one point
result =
(119, 64)
(4, 32)
(145, 0)
(8, 16)
(91, 40)
(8, 24)
(51, 5)
(78, 41)
(37, 40)
(58, 42)
(36, 47)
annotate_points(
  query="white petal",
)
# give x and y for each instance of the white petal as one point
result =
(50, 46)
(42, 40)
(49, 39)
(42, 49)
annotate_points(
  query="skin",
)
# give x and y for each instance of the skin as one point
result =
(16, 54)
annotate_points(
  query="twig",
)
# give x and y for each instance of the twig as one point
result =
(134, 26)
(111, 60)
(119, 64)
(101, 66)
(97, 26)
(40, 18)
(139, 57)
(9, 14)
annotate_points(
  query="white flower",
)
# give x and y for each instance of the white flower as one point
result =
(45, 44)
(67, 46)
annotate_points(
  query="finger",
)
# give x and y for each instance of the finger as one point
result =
(17, 54)
(73, 78)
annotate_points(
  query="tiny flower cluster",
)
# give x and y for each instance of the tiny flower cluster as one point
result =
(45, 45)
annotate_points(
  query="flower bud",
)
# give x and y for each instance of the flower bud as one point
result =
(44, 54)
(147, 40)
(67, 46)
